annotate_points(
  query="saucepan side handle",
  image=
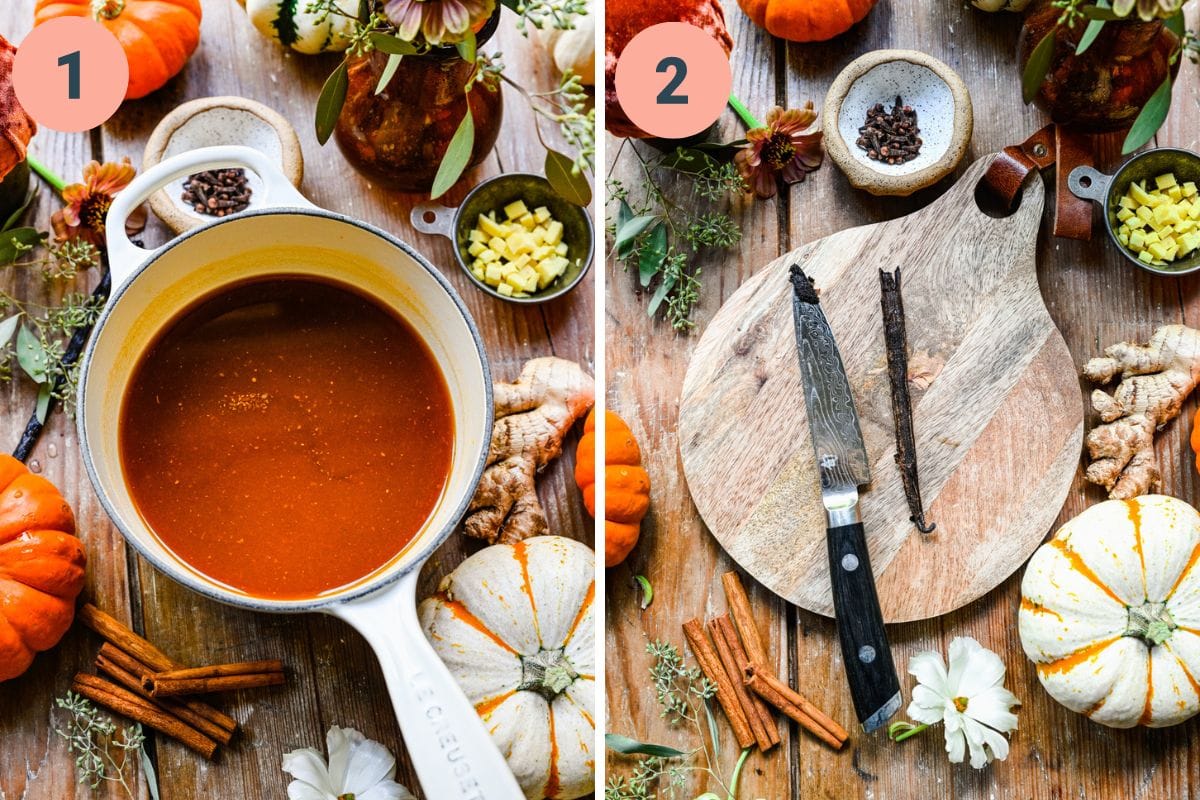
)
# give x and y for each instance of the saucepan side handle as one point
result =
(435, 219)
(454, 756)
(125, 257)
(1089, 183)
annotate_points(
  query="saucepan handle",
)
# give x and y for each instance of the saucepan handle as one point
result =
(454, 756)
(435, 219)
(125, 257)
(1089, 183)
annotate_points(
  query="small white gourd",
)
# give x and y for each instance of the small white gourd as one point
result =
(574, 49)
(289, 23)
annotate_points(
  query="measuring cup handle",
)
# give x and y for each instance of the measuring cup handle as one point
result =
(440, 220)
(125, 257)
(1088, 183)
(452, 752)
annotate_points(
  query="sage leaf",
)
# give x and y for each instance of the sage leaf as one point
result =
(15, 217)
(386, 43)
(389, 72)
(630, 747)
(1150, 119)
(148, 773)
(7, 328)
(1091, 31)
(647, 591)
(568, 184)
(458, 154)
(1038, 66)
(329, 104)
(654, 253)
(1100, 12)
(16, 241)
(659, 295)
(466, 48)
(43, 402)
(32, 356)
(713, 735)
(629, 230)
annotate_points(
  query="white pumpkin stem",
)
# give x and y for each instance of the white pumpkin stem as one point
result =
(1150, 622)
(547, 672)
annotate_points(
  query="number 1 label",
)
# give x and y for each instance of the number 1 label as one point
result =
(71, 62)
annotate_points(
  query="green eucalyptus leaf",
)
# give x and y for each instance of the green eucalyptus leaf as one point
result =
(1150, 119)
(458, 155)
(32, 357)
(329, 104)
(43, 402)
(714, 735)
(1101, 12)
(393, 46)
(364, 11)
(389, 71)
(647, 591)
(149, 773)
(628, 230)
(7, 328)
(14, 242)
(659, 295)
(15, 217)
(624, 214)
(654, 253)
(466, 48)
(568, 184)
(623, 744)
(1038, 66)
(1092, 31)
(1177, 25)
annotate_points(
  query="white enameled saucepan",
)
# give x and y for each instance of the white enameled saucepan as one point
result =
(454, 756)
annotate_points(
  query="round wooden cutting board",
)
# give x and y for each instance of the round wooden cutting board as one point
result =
(997, 408)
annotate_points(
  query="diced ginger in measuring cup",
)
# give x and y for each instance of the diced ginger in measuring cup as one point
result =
(520, 255)
(1160, 220)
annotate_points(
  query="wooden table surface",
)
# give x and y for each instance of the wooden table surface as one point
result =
(334, 678)
(1094, 297)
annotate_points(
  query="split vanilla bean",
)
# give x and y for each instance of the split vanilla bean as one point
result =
(896, 340)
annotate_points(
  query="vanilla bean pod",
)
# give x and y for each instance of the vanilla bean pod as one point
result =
(896, 341)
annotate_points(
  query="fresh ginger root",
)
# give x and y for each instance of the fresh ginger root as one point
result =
(1155, 380)
(532, 416)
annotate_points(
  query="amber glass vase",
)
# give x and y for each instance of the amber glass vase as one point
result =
(398, 137)
(1104, 88)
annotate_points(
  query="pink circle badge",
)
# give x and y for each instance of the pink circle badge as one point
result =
(70, 74)
(673, 80)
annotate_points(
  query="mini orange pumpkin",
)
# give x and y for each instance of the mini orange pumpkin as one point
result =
(158, 36)
(41, 566)
(626, 484)
(806, 20)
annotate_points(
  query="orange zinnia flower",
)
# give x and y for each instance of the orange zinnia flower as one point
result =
(787, 146)
(87, 203)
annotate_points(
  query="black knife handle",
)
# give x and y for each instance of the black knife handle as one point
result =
(865, 651)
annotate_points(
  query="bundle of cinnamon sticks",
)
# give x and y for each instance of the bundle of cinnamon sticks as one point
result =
(747, 690)
(149, 687)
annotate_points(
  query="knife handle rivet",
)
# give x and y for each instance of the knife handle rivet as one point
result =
(849, 562)
(866, 654)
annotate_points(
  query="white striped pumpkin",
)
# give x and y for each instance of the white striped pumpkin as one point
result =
(289, 23)
(1110, 612)
(516, 626)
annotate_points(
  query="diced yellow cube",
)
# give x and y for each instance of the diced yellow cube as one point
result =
(1175, 193)
(489, 227)
(1127, 202)
(529, 276)
(1189, 189)
(476, 248)
(554, 232)
(527, 221)
(538, 235)
(493, 274)
(541, 213)
(561, 248)
(515, 209)
(520, 242)
(521, 261)
(488, 256)
(515, 279)
(479, 273)
(476, 235)
(1124, 214)
(1137, 240)
(1152, 237)
(542, 251)
(1145, 213)
(505, 290)
(1123, 238)
(1145, 256)
(1158, 249)
(1136, 222)
(1165, 181)
(1139, 195)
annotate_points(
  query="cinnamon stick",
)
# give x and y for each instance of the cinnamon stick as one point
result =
(174, 687)
(113, 663)
(127, 704)
(145, 657)
(743, 618)
(710, 665)
(796, 706)
(728, 650)
(219, 670)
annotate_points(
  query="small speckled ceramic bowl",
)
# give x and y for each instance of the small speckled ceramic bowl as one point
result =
(935, 92)
(1107, 191)
(213, 121)
(493, 195)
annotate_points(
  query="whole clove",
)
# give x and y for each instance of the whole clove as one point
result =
(896, 341)
(890, 137)
(218, 192)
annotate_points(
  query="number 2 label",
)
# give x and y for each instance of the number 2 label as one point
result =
(71, 62)
(667, 96)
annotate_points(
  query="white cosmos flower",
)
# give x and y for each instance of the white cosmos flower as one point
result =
(359, 769)
(970, 699)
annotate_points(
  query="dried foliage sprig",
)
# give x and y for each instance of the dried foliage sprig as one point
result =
(104, 753)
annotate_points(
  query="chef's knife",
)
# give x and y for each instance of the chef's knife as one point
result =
(842, 464)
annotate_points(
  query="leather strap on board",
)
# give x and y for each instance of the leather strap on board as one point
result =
(1050, 146)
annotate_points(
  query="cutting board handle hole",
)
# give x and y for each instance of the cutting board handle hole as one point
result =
(993, 206)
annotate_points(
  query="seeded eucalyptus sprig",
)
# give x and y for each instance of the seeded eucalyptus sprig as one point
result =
(103, 752)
